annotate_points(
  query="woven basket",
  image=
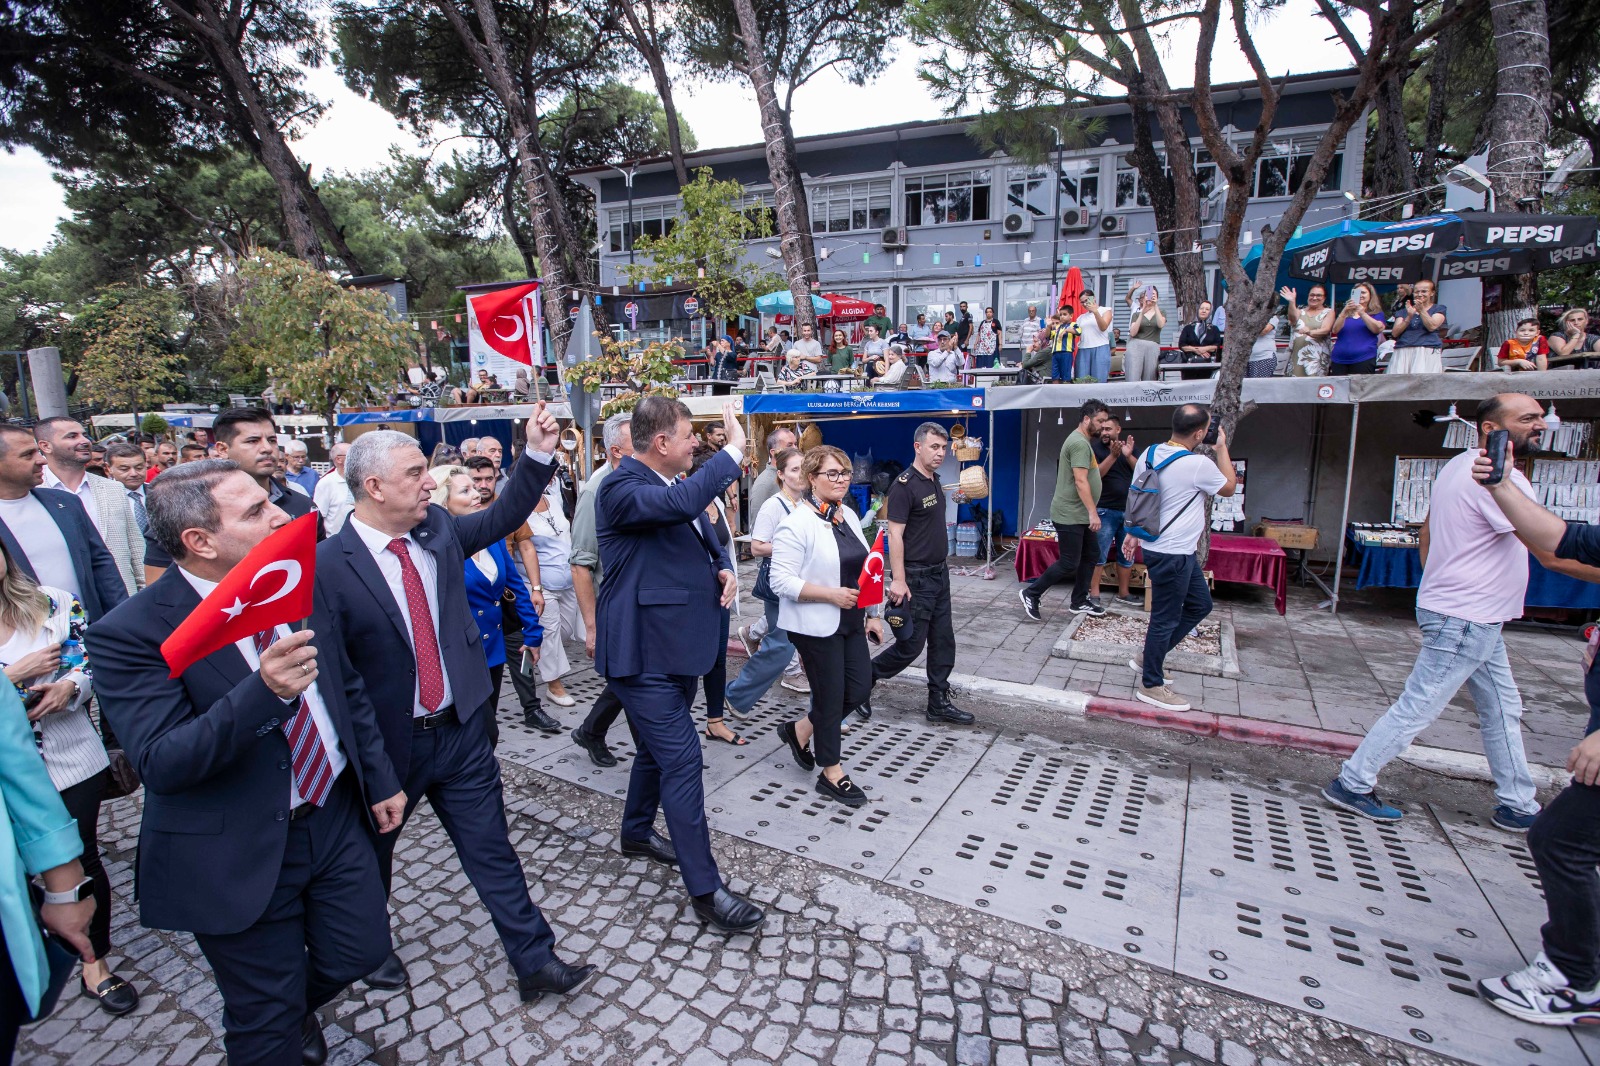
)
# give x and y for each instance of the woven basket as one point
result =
(810, 436)
(969, 449)
(973, 485)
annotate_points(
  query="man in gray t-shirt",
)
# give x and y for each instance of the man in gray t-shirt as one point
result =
(808, 347)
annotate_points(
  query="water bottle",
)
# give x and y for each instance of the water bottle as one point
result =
(72, 655)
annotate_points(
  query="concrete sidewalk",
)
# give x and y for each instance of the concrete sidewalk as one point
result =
(1306, 668)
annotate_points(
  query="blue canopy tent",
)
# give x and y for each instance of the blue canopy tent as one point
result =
(1319, 235)
(782, 303)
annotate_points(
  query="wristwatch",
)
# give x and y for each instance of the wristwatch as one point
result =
(535, 588)
(82, 891)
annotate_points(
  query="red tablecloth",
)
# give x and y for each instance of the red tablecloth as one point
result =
(1247, 560)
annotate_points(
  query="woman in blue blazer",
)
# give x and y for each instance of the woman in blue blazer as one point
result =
(37, 836)
(490, 576)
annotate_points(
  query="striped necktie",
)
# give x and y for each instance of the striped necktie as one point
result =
(313, 773)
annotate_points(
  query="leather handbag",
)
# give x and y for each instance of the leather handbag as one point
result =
(763, 587)
(124, 778)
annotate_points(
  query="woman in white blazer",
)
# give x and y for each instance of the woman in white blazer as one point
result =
(817, 557)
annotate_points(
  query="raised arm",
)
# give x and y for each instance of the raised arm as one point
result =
(529, 477)
(625, 503)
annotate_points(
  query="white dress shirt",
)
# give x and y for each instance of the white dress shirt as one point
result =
(85, 494)
(334, 500)
(319, 710)
(389, 565)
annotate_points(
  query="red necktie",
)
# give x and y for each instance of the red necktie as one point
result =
(313, 773)
(430, 672)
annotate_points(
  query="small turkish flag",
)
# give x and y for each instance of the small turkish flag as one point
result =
(870, 583)
(269, 586)
(506, 320)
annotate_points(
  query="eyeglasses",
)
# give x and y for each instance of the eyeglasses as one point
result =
(834, 475)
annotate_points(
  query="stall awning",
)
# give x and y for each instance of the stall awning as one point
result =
(919, 401)
(484, 413)
(1548, 385)
(1169, 393)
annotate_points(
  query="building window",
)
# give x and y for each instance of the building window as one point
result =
(1015, 299)
(932, 301)
(958, 196)
(1282, 170)
(846, 206)
(1028, 188)
(1131, 191)
(649, 220)
(757, 204)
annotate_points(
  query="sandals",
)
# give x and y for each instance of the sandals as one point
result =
(736, 740)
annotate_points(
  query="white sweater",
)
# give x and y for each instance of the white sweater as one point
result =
(804, 549)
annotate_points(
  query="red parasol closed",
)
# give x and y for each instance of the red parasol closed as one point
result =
(1072, 292)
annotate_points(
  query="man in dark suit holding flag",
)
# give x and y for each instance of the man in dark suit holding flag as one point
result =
(260, 759)
(667, 580)
(395, 579)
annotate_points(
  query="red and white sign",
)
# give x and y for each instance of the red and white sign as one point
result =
(268, 587)
(504, 329)
(691, 306)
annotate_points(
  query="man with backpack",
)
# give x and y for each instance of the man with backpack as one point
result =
(1167, 511)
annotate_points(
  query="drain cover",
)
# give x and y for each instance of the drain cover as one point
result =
(1499, 862)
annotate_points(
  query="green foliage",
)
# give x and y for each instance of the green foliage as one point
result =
(154, 425)
(127, 336)
(322, 343)
(1574, 286)
(711, 237)
(851, 38)
(628, 371)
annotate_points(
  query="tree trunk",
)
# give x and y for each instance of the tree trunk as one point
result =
(1392, 168)
(1177, 221)
(789, 195)
(513, 224)
(1518, 134)
(647, 41)
(1444, 51)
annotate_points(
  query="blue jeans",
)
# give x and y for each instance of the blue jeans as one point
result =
(1454, 652)
(1061, 366)
(1179, 601)
(762, 668)
(1094, 362)
(1110, 536)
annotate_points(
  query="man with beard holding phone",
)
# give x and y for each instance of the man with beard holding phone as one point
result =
(1474, 580)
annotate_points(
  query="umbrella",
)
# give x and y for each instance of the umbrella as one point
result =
(782, 303)
(1072, 292)
(846, 307)
(1450, 245)
(1306, 239)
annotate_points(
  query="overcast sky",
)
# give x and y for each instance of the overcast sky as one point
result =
(356, 134)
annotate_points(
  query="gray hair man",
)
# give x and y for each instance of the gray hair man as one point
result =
(297, 472)
(617, 436)
(332, 496)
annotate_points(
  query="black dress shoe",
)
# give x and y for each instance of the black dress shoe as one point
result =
(116, 996)
(844, 790)
(390, 975)
(535, 718)
(865, 711)
(554, 976)
(802, 756)
(945, 711)
(313, 1045)
(599, 753)
(728, 913)
(654, 847)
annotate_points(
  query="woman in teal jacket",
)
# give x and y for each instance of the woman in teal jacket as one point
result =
(36, 837)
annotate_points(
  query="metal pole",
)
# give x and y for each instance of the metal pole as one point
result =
(629, 177)
(988, 534)
(1055, 226)
(22, 389)
(1344, 515)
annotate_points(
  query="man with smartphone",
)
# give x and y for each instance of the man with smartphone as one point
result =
(1562, 984)
(1474, 579)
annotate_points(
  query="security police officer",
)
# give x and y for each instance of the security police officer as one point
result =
(918, 548)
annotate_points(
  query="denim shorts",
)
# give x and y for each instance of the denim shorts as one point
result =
(1110, 536)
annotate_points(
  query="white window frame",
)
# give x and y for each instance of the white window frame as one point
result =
(970, 173)
(663, 212)
(868, 193)
(1074, 172)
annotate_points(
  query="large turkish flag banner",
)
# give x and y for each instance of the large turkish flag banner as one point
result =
(270, 586)
(506, 321)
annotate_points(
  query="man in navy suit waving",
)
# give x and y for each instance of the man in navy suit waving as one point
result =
(667, 579)
(395, 581)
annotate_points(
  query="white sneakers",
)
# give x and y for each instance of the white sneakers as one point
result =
(1541, 994)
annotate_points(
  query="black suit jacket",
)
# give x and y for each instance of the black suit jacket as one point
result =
(659, 608)
(100, 586)
(374, 629)
(292, 503)
(211, 749)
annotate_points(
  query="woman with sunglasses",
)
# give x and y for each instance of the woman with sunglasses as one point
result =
(817, 557)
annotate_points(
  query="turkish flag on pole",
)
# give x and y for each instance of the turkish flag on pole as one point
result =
(870, 583)
(270, 586)
(506, 321)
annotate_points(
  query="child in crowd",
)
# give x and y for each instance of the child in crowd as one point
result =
(1527, 350)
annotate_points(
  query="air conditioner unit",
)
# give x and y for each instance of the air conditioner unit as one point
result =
(1113, 226)
(1017, 224)
(896, 237)
(1077, 220)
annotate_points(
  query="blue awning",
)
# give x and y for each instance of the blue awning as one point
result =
(917, 401)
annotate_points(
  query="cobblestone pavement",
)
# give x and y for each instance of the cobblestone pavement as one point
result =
(1305, 668)
(848, 968)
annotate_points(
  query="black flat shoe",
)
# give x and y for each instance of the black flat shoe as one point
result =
(599, 753)
(313, 1045)
(865, 711)
(535, 718)
(116, 996)
(949, 712)
(654, 847)
(554, 976)
(844, 790)
(802, 755)
(728, 913)
(388, 976)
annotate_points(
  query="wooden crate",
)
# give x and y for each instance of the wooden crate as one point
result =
(1289, 536)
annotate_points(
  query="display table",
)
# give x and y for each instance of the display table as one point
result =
(1246, 560)
(1400, 567)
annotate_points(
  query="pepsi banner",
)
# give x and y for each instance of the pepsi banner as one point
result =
(1468, 245)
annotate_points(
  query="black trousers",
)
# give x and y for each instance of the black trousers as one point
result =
(715, 684)
(1080, 557)
(1565, 842)
(1366, 366)
(1179, 601)
(83, 803)
(324, 927)
(527, 688)
(931, 625)
(840, 669)
(454, 766)
(607, 706)
(491, 720)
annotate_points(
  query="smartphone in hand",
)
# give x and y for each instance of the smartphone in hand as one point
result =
(1499, 445)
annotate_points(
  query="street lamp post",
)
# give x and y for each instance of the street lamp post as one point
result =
(627, 233)
(1055, 226)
